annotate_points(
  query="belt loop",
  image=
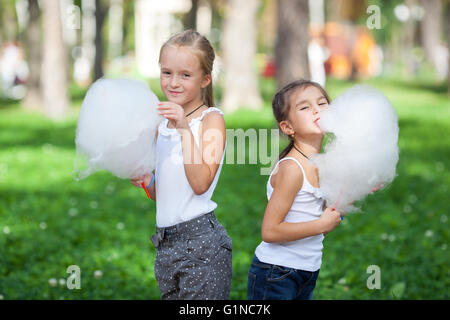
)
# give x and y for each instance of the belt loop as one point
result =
(211, 219)
(158, 237)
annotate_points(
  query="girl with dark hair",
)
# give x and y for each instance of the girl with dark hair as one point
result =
(287, 262)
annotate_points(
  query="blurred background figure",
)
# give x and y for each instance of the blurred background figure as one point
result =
(317, 51)
(317, 55)
(353, 52)
(14, 70)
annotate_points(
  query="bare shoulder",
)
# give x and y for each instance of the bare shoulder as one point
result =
(288, 175)
(213, 117)
(213, 121)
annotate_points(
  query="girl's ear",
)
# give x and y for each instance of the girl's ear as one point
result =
(206, 81)
(286, 127)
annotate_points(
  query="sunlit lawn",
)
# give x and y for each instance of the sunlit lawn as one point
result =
(48, 221)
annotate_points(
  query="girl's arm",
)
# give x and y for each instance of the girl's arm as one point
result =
(287, 182)
(202, 162)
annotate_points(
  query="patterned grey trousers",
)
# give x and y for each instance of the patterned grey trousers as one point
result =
(193, 260)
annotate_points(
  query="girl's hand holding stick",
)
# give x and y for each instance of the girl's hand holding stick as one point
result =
(143, 181)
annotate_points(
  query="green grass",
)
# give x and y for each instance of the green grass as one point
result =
(48, 221)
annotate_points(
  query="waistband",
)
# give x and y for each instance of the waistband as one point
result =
(185, 230)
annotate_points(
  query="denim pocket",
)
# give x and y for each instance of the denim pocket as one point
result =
(309, 283)
(308, 277)
(279, 273)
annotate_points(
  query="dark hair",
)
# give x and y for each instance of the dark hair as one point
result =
(205, 53)
(281, 106)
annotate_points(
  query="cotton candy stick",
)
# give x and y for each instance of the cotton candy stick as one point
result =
(146, 191)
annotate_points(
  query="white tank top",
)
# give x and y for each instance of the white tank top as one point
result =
(304, 254)
(176, 202)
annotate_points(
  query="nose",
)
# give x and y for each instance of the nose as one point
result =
(174, 81)
(316, 109)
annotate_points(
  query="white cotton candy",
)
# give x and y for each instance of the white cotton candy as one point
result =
(116, 129)
(363, 152)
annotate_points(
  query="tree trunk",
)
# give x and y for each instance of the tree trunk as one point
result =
(190, 19)
(239, 48)
(407, 43)
(33, 98)
(54, 63)
(100, 14)
(430, 28)
(291, 49)
(448, 48)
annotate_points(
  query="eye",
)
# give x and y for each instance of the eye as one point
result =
(186, 75)
(165, 72)
(305, 107)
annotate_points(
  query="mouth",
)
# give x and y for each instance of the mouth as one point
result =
(315, 121)
(174, 92)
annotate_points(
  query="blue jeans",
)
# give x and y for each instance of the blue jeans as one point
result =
(273, 282)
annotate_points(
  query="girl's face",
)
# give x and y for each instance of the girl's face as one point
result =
(305, 106)
(181, 76)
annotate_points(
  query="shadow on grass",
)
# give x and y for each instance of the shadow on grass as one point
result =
(6, 103)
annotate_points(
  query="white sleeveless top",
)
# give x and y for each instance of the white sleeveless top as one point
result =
(304, 254)
(176, 202)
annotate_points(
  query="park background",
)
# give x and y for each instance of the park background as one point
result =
(52, 50)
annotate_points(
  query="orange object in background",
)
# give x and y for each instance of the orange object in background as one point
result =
(361, 51)
(337, 40)
(340, 66)
(351, 51)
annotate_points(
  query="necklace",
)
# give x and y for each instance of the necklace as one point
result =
(299, 151)
(194, 110)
